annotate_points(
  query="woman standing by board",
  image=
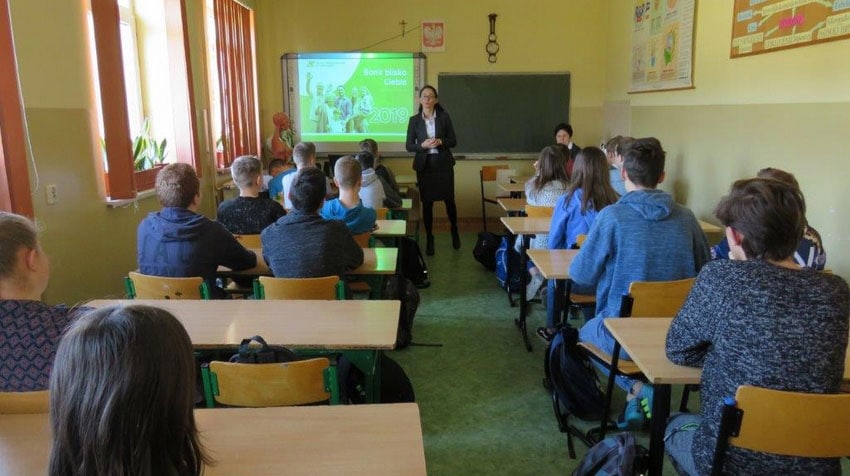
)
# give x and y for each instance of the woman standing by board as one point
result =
(431, 136)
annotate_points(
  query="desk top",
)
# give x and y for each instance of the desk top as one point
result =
(375, 261)
(356, 440)
(350, 325)
(391, 228)
(406, 204)
(512, 204)
(709, 228)
(645, 340)
(520, 225)
(553, 264)
(512, 187)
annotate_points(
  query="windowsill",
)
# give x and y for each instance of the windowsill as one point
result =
(125, 202)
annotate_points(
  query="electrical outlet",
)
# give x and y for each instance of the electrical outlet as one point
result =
(52, 194)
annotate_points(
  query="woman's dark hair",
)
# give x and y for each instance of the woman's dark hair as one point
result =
(121, 396)
(770, 214)
(552, 165)
(591, 176)
(563, 127)
(437, 107)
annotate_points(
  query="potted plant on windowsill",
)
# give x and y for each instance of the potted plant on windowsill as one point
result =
(148, 157)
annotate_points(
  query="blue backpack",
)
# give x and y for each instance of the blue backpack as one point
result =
(508, 265)
(617, 455)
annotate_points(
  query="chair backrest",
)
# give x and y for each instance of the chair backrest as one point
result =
(655, 298)
(143, 286)
(490, 172)
(249, 241)
(382, 213)
(533, 211)
(16, 403)
(327, 288)
(274, 385)
(364, 240)
(580, 239)
(808, 425)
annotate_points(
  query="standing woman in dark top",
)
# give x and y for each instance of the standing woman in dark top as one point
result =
(431, 136)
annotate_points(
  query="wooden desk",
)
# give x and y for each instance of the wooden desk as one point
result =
(356, 440)
(515, 189)
(512, 205)
(709, 228)
(406, 204)
(376, 261)
(521, 178)
(524, 226)
(405, 179)
(553, 264)
(390, 228)
(360, 329)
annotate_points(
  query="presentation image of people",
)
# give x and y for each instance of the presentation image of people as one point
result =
(345, 98)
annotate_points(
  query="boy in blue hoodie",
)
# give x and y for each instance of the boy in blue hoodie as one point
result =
(645, 236)
(348, 208)
(178, 242)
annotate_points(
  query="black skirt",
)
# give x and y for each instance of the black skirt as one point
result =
(437, 180)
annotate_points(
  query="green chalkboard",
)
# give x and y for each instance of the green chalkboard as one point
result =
(505, 113)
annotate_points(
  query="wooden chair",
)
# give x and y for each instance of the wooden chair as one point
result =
(533, 211)
(327, 288)
(646, 299)
(249, 241)
(382, 213)
(808, 425)
(270, 385)
(142, 286)
(488, 173)
(364, 240)
(18, 403)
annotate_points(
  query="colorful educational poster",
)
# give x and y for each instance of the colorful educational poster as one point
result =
(761, 26)
(662, 45)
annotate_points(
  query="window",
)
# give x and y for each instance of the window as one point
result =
(14, 176)
(165, 94)
(232, 73)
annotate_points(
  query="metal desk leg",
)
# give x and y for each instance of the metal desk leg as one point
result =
(523, 265)
(561, 301)
(367, 362)
(658, 423)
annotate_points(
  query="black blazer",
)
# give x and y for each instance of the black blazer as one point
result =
(416, 134)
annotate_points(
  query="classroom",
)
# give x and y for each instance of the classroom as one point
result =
(784, 109)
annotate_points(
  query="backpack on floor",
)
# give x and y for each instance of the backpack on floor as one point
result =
(508, 262)
(412, 263)
(402, 289)
(485, 249)
(395, 384)
(574, 383)
(616, 455)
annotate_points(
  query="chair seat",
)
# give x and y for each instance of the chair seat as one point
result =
(625, 367)
(582, 299)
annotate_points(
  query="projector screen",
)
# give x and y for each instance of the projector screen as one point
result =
(335, 100)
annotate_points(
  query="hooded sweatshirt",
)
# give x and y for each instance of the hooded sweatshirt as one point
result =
(358, 219)
(176, 242)
(645, 236)
(372, 192)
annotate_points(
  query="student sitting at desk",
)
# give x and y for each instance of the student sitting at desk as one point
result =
(369, 145)
(248, 214)
(576, 210)
(614, 149)
(373, 191)
(347, 176)
(29, 329)
(278, 170)
(122, 396)
(757, 319)
(304, 155)
(809, 253)
(303, 244)
(543, 190)
(178, 242)
(645, 236)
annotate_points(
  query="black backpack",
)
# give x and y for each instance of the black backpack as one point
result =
(395, 384)
(616, 455)
(412, 263)
(574, 383)
(485, 249)
(264, 354)
(402, 289)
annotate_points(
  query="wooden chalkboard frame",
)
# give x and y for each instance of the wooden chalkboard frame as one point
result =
(505, 114)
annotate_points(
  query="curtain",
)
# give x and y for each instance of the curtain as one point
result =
(235, 57)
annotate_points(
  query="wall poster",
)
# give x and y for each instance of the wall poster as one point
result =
(662, 45)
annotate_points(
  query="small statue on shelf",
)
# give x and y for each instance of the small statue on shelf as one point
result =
(283, 138)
